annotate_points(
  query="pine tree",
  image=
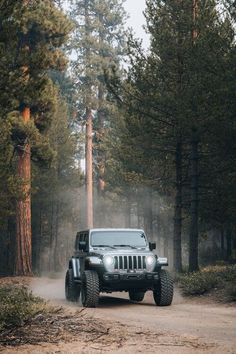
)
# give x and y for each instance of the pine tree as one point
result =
(98, 44)
(31, 37)
(55, 200)
(171, 102)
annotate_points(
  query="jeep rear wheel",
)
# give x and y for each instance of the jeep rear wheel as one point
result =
(136, 295)
(71, 289)
(163, 293)
(90, 289)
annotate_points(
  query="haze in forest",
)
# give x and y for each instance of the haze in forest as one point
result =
(158, 138)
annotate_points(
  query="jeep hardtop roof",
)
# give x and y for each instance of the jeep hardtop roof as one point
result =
(111, 229)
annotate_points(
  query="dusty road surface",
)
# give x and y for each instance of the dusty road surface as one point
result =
(189, 326)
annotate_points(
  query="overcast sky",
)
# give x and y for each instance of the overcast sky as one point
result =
(136, 20)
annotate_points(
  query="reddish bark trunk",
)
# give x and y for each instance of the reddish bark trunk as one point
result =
(100, 150)
(89, 167)
(23, 265)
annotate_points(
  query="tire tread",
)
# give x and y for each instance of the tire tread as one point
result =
(71, 291)
(91, 288)
(163, 294)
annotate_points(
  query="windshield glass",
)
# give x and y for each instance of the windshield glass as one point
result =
(118, 238)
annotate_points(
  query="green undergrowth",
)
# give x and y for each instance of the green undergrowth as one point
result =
(218, 279)
(18, 305)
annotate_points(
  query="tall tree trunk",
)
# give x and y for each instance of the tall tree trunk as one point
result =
(56, 249)
(36, 236)
(11, 232)
(148, 214)
(158, 230)
(193, 237)
(89, 167)
(101, 113)
(23, 265)
(100, 138)
(89, 129)
(166, 237)
(228, 244)
(127, 212)
(222, 242)
(101, 215)
(178, 210)
(139, 213)
(23, 262)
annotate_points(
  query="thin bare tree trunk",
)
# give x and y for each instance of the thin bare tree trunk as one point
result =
(56, 250)
(100, 149)
(228, 244)
(178, 210)
(166, 237)
(127, 212)
(89, 167)
(193, 237)
(148, 213)
(23, 265)
(222, 242)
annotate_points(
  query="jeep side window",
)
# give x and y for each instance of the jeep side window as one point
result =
(79, 237)
(86, 239)
(83, 238)
(77, 242)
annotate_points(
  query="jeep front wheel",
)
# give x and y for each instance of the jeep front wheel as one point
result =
(71, 289)
(163, 292)
(90, 289)
(136, 296)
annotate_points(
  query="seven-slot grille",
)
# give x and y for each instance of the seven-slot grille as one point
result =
(130, 262)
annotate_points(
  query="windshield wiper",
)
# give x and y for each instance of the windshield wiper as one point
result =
(125, 246)
(103, 246)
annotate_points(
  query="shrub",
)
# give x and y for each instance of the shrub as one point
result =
(213, 277)
(197, 283)
(17, 305)
(231, 291)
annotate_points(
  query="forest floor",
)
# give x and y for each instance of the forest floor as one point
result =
(198, 325)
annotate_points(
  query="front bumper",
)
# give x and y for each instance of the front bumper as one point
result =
(129, 277)
(118, 281)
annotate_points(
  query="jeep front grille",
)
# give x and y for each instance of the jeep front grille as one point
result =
(130, 262)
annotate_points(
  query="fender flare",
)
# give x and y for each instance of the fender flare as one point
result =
(74, 264)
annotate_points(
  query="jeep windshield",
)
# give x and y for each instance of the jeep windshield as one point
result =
(132, 239)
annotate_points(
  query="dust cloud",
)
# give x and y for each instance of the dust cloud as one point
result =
(48, 288)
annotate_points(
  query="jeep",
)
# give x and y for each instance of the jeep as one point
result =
(107, 260)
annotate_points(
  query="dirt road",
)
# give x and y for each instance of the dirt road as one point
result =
(188, 326)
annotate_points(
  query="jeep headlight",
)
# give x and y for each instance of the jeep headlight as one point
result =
(150, 263)
(109, 263)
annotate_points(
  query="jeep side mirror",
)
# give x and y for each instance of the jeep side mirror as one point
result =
(152, 246)
(82, 246)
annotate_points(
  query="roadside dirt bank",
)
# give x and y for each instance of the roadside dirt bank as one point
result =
(189, 326)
